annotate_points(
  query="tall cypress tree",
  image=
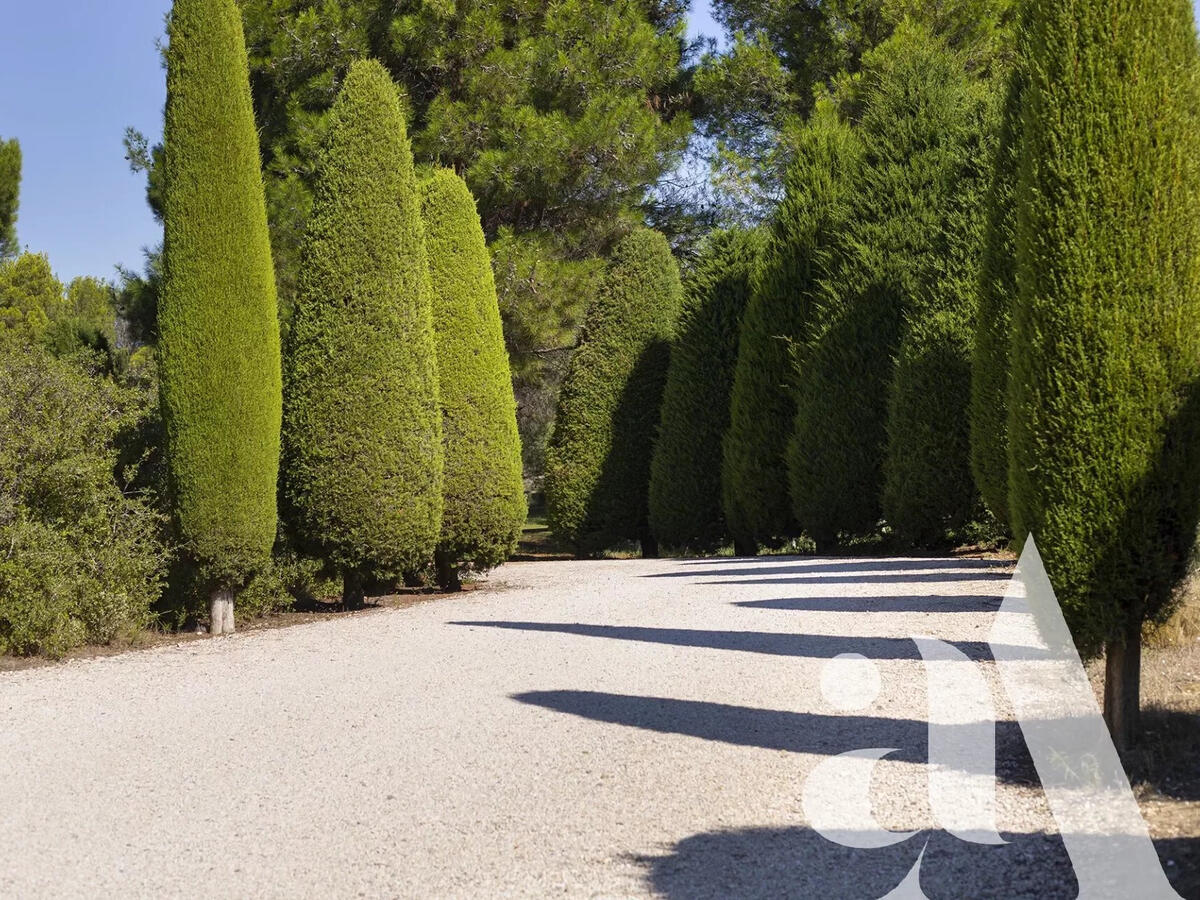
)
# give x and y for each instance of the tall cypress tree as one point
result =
(806, 227)
(484, 493)
(1104, 385)
(685, 473)
(598, 461)
(219, 334)
(10, 195)
(362, 427)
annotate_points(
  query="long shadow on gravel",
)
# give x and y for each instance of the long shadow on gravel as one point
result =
(814, 646)
(797, 862)
(939, 603)
(838, 578)
(979, 568)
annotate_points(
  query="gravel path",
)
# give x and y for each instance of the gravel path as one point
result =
(595, 729)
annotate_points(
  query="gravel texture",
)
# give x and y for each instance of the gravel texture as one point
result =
(591, 729)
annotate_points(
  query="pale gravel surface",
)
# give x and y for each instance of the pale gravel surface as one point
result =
(629, 730)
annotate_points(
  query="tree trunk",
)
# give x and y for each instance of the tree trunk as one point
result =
(447, 572)
(649, 545)
(354, 595)
(413, 580)
(743, 547)
(220, 612)
(1122, 687)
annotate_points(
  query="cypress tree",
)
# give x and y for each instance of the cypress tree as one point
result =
(219, 335)
(997, 294)
(598, 459)
(918, 125)
(483, 493)
(1104, 385)
(685, 473)
(10, 195)
(363, 475)
(763, 402)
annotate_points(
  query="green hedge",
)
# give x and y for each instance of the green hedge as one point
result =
(219, 335)
(685, 474)
(1104, 388)
(598, 458)
(363, 464)
(483, 493)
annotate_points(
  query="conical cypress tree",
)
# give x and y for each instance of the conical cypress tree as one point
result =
(362, 427)
(10, 196)
(997, 294)
(918, 123)
(219, 336)
(483, 493)
(598, 459)
(1104, 386)
(763, 403)
(685, 473)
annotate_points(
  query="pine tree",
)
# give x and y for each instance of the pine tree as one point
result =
(483, 493)
(10, 195)
(685, 472)
(598, 461)
(763, 401)
(1104, 385)
(362, 427)
(219, 344)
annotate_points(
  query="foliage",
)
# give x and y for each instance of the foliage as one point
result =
(81, 561)
(919, 127)
(219, 337)
(803, 233)
(1104, 409)
(10, 194)
(363, 441)
(31, 298)
(598, 459)
(483, 492)
(685, 474)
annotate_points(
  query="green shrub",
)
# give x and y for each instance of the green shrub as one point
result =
(763, 401)
(80, 561)
(598, 459)
(363, 470)
(219, 335)
(685, 472)
(919, 117)
(997, 294)
(483, 493)
(1104, 386)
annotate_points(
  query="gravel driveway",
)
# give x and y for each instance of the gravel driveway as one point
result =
(594, 729)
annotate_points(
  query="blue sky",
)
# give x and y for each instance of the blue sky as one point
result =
(75, 74)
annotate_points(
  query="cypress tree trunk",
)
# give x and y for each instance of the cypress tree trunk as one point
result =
(220, 611)
(744, 547)
(649, 544)
(1122, 687)
(447, 571)
(354, 594)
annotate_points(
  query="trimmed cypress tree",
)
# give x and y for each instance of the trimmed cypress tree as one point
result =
(918, 126)
(483, 493)
(219, 335)
(763, 402)
(1104, 386)
(997, 294)
(598, 459)
(362, 426)
(10, 196)
(685, 473)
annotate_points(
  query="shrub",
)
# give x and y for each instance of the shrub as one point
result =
(219, 335)
(363, 470)
(598, 459)
(685, 472)
(483, 493)
(1104, 385)
(80, 561)
(763, 401)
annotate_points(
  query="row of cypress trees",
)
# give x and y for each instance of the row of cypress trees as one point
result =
(392, 402)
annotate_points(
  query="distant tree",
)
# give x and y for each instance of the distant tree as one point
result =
(31, 299)
(484, 494)
(598, 460)
(685, 473)
(1104, 385)
(219, 335)
(10, 195)
(803, 233)
(362, 430)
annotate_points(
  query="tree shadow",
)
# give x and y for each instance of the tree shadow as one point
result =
(769, 566)
(913, 578)
(934, 603)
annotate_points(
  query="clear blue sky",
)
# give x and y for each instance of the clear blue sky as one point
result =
(75, 74)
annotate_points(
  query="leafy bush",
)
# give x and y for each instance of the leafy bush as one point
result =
(685, 473)
(80, 561)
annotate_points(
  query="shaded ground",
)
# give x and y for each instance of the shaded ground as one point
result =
(611, 728)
